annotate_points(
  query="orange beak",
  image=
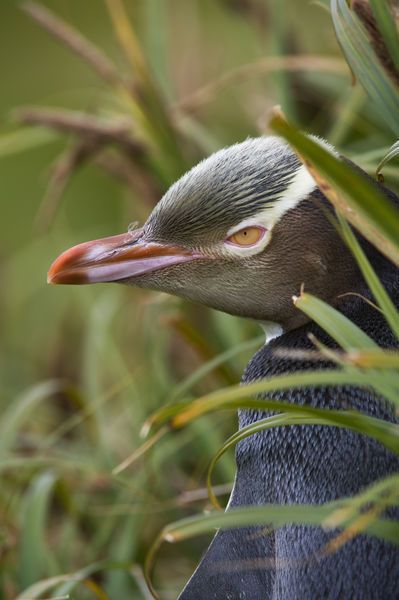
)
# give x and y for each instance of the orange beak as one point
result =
(115, 258)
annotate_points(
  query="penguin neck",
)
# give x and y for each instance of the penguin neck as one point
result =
(313, 463)
(271, 329)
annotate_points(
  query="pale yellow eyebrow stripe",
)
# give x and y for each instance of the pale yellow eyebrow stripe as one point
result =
(301, 186)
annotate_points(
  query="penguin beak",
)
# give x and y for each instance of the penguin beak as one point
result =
(115, 258)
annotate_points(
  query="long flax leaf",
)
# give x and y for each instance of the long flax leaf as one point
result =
(268, 514)
(71, 580)
(387, 27)
(343, 331)
(377, 359)
(239, 396)
(380, 294)
(148, 97)
(357, 198)
(371, 495)
(21, 410)
(278, 515)
(392, 153)
(364, 63)
(337, 325)
(34, 552)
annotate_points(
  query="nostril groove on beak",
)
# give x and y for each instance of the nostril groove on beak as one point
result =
(129, 243)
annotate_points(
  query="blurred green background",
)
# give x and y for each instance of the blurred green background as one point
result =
(81, 368)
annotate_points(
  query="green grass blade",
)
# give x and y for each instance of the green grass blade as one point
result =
(340, 328)
(180, 414)
(387, 26)
(384, 492)
(377, 359)
(33, 463)
(44, 586)
(36, 590)
(380, 294)
(360, 201)
(34, 555)
(279, 34)
(123, 549)
(149, 100)
(21, 409)
(392, 153)
(344, 332)
(277, 515)
(25, 139)
(212, 364)
(267, 514)
(364, 63)
(239, 396)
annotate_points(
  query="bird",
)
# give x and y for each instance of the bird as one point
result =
(241, 232)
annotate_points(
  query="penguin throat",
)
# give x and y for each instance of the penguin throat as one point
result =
(272, 330)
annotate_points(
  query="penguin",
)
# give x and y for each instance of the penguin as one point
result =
(241, 232)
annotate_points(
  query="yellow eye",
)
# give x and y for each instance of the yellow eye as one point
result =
(247, 236)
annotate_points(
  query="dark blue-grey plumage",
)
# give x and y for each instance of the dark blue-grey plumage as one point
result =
(312, 465)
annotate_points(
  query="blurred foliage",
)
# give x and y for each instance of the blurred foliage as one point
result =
(160, 84)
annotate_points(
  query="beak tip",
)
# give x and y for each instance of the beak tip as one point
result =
(66, 268)
(54, 272)
(67, 277)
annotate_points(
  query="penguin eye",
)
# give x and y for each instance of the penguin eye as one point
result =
(248, 236)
